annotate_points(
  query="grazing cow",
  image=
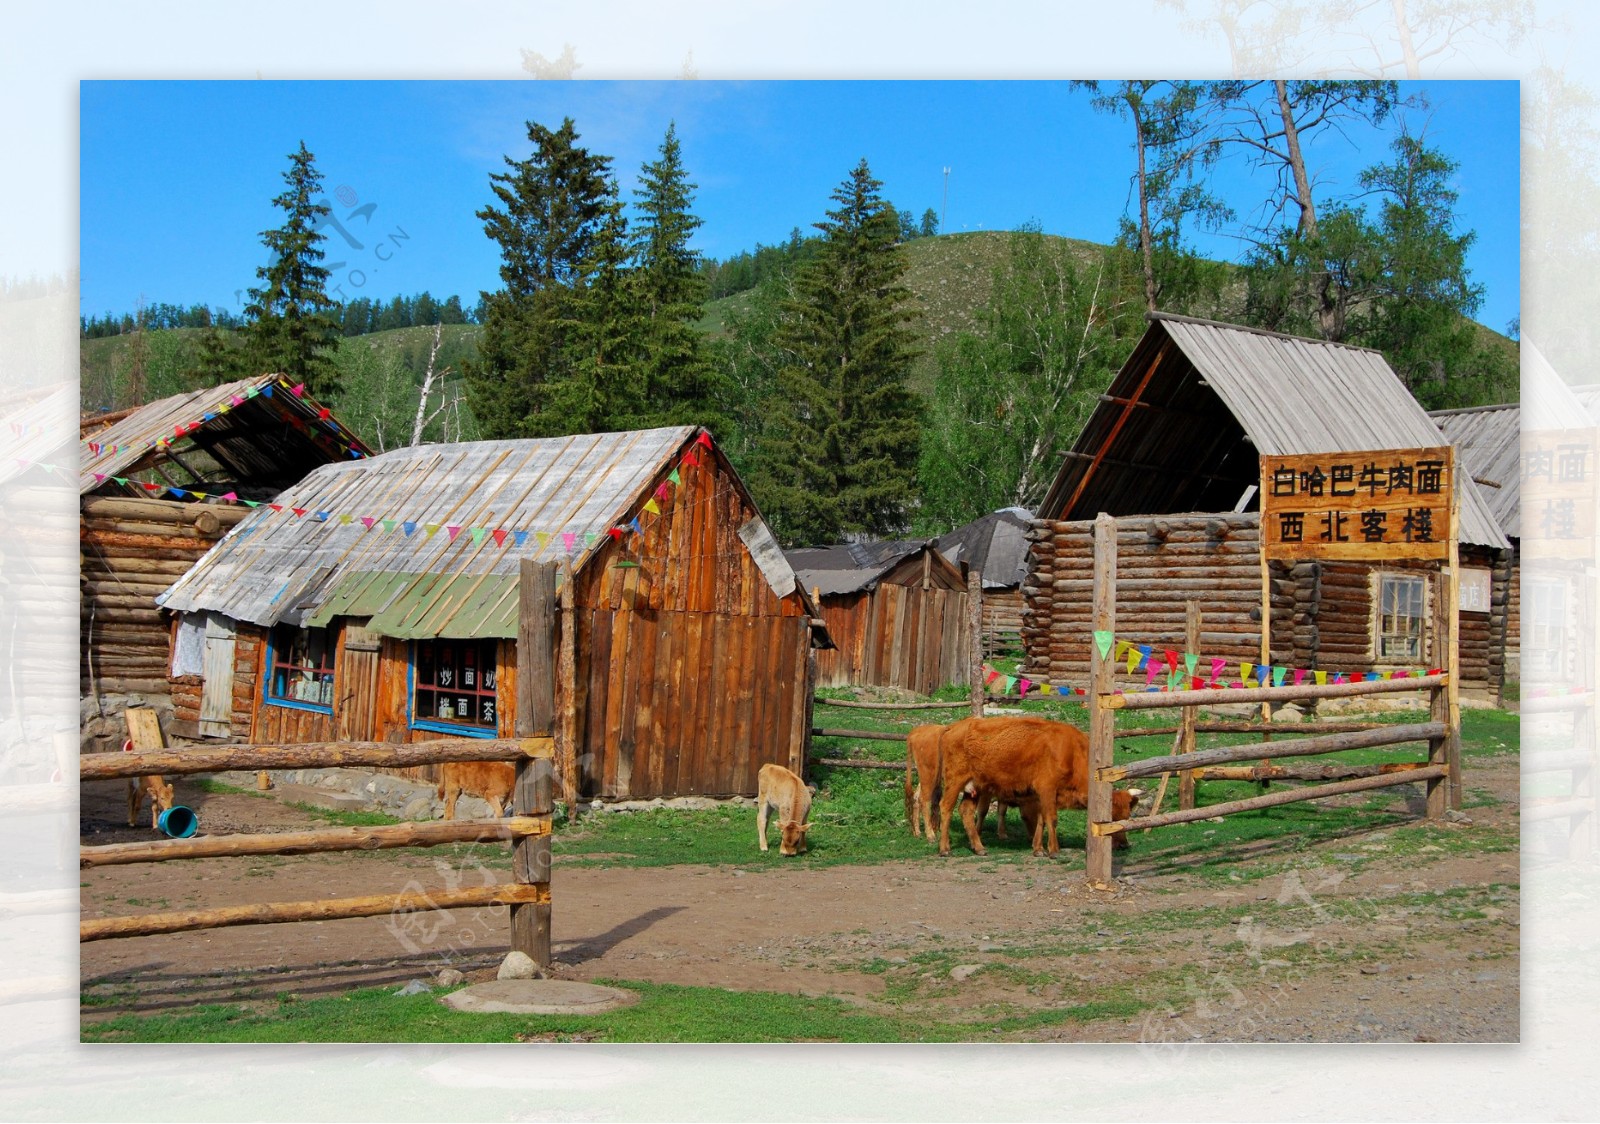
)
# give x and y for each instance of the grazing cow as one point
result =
(492, 780)
(779, 788)
(159, 793)
(1017, 758)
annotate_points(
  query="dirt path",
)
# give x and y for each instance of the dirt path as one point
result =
(1377, 939)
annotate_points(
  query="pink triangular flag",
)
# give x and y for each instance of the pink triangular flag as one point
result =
(298, 390)
(453, 532)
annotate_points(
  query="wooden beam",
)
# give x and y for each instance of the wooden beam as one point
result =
(534, 792)
(313, 755)
(1300, 747)
(1147, 700)
(1103, 722)
(1271, 800)
(868, 735)
(273, 913)
(1116, 428)
(315, 842)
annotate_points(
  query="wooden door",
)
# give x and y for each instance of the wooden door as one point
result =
(216, 695)
(356, 696)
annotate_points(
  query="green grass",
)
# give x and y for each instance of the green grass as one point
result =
(664, 1013)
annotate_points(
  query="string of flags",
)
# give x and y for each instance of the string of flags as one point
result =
(1182, 672)
(570, 540)
(183, 429)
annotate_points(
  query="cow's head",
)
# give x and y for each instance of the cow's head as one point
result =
(794, 837)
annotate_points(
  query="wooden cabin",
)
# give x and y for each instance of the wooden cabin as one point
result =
(996, 546)
(896, 612)
(1488, 439)
(159, 485)
(379, 602)
(1172, 450)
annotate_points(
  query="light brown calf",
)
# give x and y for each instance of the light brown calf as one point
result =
(156, 790)
(781, 789)
(492, 780)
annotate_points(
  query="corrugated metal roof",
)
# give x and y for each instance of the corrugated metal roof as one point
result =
(254, 431)
(994, 544)
(849, 567)
(1212, 397)
(1488, 439)
(276, 565)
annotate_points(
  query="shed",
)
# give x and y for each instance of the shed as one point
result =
(159, 484)
(1488, 439)
(996, 546)
(895, 610)
(1172, 449)
(379, 602)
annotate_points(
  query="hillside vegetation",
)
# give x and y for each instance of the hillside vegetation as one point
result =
(950, 277)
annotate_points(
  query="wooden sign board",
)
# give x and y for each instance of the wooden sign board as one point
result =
(1558, 493)
(1389, 503)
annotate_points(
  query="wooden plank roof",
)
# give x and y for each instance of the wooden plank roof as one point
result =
(253, 432)
(853, 567)
(1186, 419)
(427, 540)
(1488, 439)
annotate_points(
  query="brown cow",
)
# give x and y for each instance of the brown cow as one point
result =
(922, 753)
(492, 780)
(154, 788)
(779, 788)
(1018, 757)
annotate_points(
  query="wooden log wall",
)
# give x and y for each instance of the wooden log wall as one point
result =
(1324, 614)
(1513, 616)
(1163, 562)
(130, 551)
(1002, 621)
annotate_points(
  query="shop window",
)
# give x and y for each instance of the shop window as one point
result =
(453, 686)
(1402, 618)
(300, 668)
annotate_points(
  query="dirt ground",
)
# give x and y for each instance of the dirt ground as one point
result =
(1417, 945)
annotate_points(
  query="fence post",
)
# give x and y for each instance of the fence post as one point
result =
(1191, 714)
(566, 731)
(536, 705)
(1102, 720)
(975, 644)
(1439, 697)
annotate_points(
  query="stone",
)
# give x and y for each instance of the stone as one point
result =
(518, 966)
(449, 977)
(1453, 816)
(962, 971)
(415, 987)
(421, 808)
(1288, 713)
(539, 997)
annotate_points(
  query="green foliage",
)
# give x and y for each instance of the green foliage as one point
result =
(290, 327)
(839, 457)
(675, 384)
(554, 207)
(1010, 398)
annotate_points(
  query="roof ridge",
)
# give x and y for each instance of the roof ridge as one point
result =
(1181, 319)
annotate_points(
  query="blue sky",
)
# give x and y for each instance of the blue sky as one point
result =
(177, 177)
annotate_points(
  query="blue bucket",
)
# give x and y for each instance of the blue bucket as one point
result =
(178, 822)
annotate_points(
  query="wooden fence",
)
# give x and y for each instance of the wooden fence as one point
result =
(528, 828)
(1441, 771)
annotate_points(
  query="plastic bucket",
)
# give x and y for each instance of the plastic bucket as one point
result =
(178, 822)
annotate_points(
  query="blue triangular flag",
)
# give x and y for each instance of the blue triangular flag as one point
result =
(519, 537)
(408, 526)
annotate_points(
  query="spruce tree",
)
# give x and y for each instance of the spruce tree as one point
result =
(841, 455)
(291, 329)
(554, 206)
(675, 372)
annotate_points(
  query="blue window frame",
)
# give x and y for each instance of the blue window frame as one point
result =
(454, 687)
(300, 668)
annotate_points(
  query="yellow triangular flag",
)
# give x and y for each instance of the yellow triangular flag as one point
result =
(1244, 671)
(650, 506)
(1133, 658)
(1322, 678)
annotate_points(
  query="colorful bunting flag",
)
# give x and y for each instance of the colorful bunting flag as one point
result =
(675, 478)
(661, 490)
(345, 518)
(568, 541)
(519, 537)
(1244, 671)
(452, 531)
(1133, 658)
(298, 390)
(1023, 686)
(650, 506)
(430, 529)
(409, 527)
(703, 439)
(1277, 676)
(388, 526)
(1102, 640)
(1190, 661)
(477, 534)
(499, 535)
(367, 521)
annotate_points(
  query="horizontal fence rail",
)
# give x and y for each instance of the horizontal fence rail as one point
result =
(313, 755)
(866, 735)
(333, 909)
(850, 704)
(1264, 729)
(1288, 796)
(1303, 747)
(315, 842)
(1146, 700)
(1265, 771)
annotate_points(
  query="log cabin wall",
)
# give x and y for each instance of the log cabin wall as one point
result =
(1002, 621)
(1163, 562)
(1513, 617)
(691, 673)
(131, 550)
(1323, 613)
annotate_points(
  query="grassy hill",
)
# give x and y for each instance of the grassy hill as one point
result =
(950, 278)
